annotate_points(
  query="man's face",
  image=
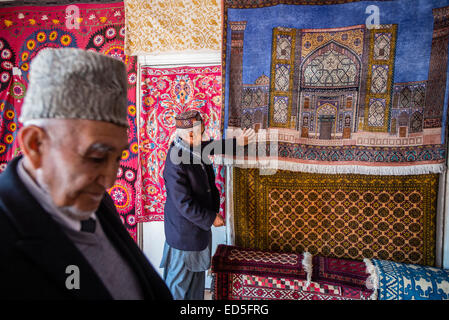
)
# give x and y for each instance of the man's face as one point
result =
(194, 135)
(80, 162)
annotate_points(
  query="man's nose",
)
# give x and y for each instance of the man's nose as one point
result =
(108, 174)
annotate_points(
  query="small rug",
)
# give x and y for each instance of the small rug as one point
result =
(232, 259)
(348, 274)
(235, 286)
(340, 216)
(172, 26)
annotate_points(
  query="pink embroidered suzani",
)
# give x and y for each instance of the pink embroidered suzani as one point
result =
(167, 92)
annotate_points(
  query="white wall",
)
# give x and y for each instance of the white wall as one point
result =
(153, 243)
(446, 247)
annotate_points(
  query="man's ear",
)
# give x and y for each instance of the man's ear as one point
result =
(30, 141)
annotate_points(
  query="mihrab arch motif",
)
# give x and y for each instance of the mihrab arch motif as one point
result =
(330, 66)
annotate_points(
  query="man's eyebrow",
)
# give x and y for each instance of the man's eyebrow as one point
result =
(102, 147)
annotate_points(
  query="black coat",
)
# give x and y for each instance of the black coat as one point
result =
(193, 200)
(35, 252)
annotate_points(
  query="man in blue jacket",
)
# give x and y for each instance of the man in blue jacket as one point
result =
(192, 205)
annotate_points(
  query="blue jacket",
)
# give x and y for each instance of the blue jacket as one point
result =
(193, 200)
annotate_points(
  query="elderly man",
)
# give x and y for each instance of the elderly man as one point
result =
(60, 235)
(192, 205)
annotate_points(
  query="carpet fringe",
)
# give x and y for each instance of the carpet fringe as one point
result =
(372, 282)
(271, 165)
(307, 266)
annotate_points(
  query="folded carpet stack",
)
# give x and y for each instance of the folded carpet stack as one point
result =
(249, 274)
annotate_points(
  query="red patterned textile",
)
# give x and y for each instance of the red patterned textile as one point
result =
(24, 31)
(234, 286)
(248, 274)
(166, 92)
(240, 260)
(350, 275)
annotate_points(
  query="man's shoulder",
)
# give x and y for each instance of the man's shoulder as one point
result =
(173, 148)
(8, 178)
(206, 142)
(175, 158)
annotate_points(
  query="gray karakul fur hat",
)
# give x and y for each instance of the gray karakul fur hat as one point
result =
(71, 83)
